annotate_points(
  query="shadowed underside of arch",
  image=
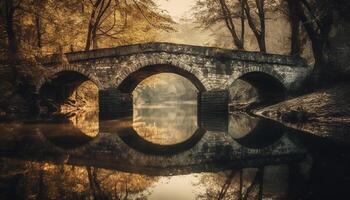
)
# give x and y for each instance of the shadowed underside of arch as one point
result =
(68, 91)
(134, 78)
(58, 71)
(61, 85)
(269, 88)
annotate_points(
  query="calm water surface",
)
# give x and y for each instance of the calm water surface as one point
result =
(167, 152)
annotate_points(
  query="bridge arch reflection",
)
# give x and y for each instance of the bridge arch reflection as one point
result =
(253, 132)
(124, 129)
(135, 141)
(64, 137)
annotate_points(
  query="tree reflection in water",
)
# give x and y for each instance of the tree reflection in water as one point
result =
(87, 121)
(166, 125)
(73, 130)
(235, 184)
(165, 109)
(33, 180)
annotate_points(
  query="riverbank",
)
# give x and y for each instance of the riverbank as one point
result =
(324, 113)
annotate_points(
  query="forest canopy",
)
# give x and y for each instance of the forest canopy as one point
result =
(41, 27)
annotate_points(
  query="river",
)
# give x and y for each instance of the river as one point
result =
(166, 152)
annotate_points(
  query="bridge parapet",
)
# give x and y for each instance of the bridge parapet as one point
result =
(210, 52)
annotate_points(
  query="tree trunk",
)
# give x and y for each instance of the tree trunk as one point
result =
(92, 183)
(230, 25)
(37, 20)
(38, 30)
(11, 36)
(98, 9)
(11, 39)
(92, 24)
(319, 38)
(294, 24)
(319, 62)
(259, 34)
(242, 23)
(261, 42)
(94, 39)
(88, 37)
(261, 12)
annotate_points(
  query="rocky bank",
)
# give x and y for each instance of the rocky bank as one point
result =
(324, 113)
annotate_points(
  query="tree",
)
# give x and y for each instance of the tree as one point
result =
(259, 33)
(233, 12)
(41, 27)
(317, 20)
(8, 9)
(107, 15)
(212, 12)
(99, 8)
(316, 16)
(293, 15)
(39, 7)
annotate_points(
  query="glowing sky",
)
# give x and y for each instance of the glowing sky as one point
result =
(176, 8)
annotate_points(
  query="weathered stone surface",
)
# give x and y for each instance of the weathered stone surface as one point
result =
(213, 110)
(114, 104)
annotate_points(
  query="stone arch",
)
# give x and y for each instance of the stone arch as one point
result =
(251, 69)
(67, 68)
(269, 85)
(128, 75)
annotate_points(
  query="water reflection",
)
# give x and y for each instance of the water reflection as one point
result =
(23, 179)
(166, 125)
(47, 181)
(124, 129)
(71, 131)
(87, 121)
(252, 131)
(251, 160)
(241, 124)
(66, 136)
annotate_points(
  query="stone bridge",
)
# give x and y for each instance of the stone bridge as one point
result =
(117, 71)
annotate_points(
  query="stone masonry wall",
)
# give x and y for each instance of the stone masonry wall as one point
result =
(214, 68)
